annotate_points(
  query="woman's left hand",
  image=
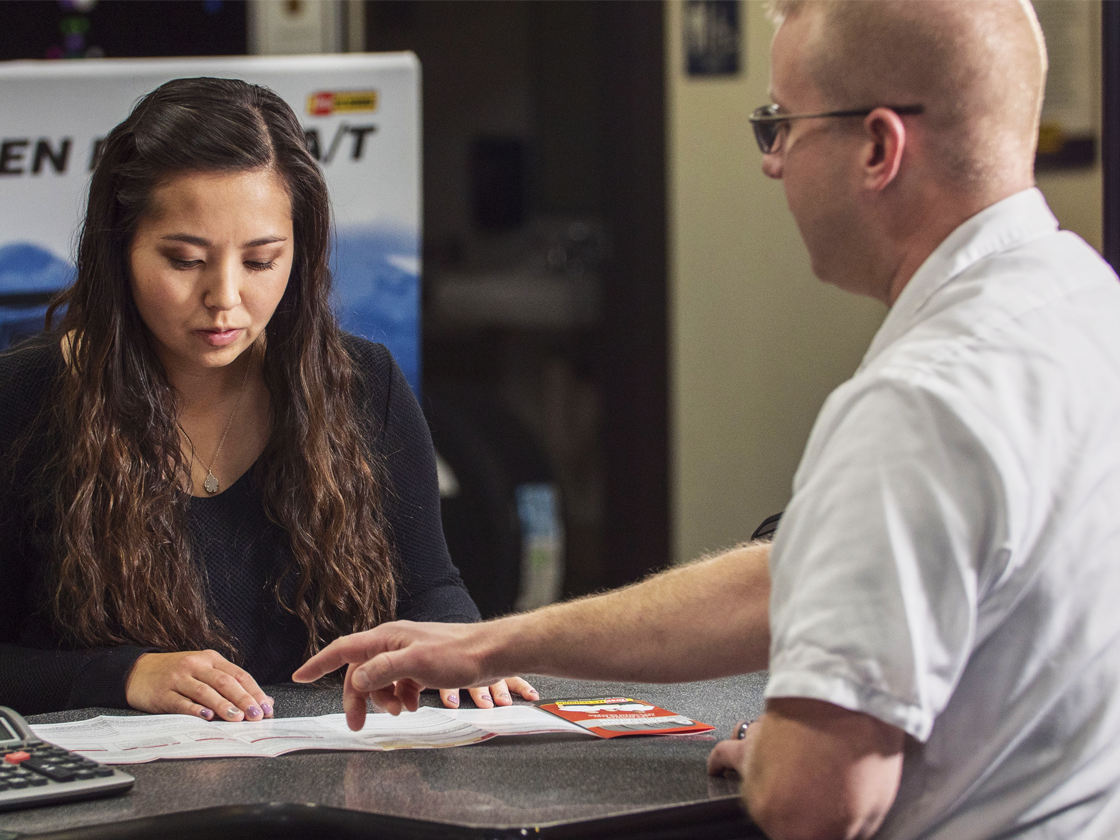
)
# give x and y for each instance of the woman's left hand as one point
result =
(486, 697)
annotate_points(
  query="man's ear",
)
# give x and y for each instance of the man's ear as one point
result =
(885, 136)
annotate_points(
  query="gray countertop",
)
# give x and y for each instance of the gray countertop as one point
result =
(505, 783)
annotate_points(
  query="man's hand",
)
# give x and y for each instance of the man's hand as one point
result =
(202, 683)
(393, 663)
(730, 757)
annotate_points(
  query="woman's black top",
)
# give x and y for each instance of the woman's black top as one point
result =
(240, 553)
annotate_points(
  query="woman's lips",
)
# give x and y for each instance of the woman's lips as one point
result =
(219, 338)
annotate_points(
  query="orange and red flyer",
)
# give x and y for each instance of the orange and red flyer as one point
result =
(612, 717)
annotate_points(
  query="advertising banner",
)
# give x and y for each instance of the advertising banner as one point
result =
(361, 115)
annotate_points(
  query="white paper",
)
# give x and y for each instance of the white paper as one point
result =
(136, 739)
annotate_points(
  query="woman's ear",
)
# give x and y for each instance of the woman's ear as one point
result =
(885, 136)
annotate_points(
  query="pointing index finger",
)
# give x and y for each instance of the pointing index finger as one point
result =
(349, 650)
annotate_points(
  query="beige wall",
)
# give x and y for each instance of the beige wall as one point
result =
(756, 342)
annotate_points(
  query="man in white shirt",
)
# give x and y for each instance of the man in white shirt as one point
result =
(936, 612)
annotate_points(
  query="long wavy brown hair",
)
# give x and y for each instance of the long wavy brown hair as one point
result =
(123, 571)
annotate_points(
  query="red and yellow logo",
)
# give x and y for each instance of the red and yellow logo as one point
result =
(327, 102)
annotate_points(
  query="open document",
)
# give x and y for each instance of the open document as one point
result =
(136, 739)
(114, 739)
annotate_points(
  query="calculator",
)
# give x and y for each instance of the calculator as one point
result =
(33, 772)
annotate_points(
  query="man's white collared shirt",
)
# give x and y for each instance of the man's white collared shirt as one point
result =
(950, 561)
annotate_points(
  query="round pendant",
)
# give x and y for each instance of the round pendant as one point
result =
(210, 484)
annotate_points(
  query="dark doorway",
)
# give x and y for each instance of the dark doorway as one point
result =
(545, 262)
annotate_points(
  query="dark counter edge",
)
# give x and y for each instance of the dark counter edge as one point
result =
(713, 820)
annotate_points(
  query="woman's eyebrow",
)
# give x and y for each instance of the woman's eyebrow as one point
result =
(265, 240)
(187, 238)
(202, 242)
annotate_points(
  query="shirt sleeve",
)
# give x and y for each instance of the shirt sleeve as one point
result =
(33, 681)
(880, 556)
(429, 586)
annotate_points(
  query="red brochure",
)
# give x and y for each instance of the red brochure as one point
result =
(612, 717)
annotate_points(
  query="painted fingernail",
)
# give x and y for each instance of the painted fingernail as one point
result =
(453, 698)
(253, 712)
(486, 701)
(232, 712)
(266, 708)
(534, 693)
(206, 713)
(503, 696)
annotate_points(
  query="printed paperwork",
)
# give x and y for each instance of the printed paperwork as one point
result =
(115, 739)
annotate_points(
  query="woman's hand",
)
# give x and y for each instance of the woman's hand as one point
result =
(499, 694)
(202, 683)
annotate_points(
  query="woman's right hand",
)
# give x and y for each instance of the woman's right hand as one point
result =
(202, 683)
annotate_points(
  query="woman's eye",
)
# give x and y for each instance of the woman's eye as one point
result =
(260, 266)
(184, 264)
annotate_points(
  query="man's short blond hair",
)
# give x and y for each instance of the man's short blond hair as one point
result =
(979, 68)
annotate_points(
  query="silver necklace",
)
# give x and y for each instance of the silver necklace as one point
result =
(210, 483)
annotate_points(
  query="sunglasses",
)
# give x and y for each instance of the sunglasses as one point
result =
(768, 121)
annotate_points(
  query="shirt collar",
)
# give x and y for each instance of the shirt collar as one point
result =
(1008, 223)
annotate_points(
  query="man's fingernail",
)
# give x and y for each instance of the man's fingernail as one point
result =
(206, 713)
(232, 712)
(253, 712)
(266, 708)
(358, 680)
(453, 698)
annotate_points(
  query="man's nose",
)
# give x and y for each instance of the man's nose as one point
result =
(772, 165)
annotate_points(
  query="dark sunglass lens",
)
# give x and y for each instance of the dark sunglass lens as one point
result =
(766, 133)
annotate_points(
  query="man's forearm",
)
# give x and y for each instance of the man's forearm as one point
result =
(707, 619)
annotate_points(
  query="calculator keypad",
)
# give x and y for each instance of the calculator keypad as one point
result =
(34, 765)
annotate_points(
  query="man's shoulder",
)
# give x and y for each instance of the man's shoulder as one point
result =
(1050, 306)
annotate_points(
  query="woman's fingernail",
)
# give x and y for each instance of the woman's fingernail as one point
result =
(266, 708)
(486, 701)
(503, 696)
(253, 712)
(534, 693)
(232, 712)
(206, 713)
(453, 698)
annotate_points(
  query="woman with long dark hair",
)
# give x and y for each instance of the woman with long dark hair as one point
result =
(204, 481)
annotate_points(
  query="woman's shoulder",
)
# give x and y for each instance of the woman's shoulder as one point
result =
(27, 371)
(34, 358)
(376, 370)
(369, 357)
(25, 368)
